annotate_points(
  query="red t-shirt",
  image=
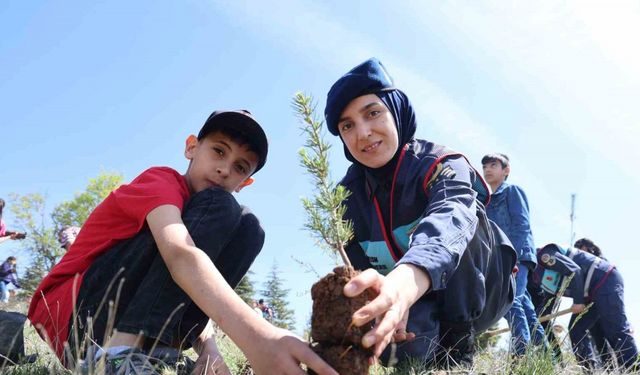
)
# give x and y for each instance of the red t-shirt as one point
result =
(119, 217)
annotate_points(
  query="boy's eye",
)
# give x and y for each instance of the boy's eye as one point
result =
(218, 151)
(240, 168)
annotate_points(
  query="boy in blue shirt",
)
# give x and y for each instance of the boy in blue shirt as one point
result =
(509, 209)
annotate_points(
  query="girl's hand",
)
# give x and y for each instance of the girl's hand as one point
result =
(395, 295)
(401, 333)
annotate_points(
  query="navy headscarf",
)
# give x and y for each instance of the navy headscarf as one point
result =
(371, 77)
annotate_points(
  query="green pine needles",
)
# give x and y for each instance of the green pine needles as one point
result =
(325, 209)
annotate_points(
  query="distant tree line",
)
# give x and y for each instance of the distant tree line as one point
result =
(274, 294)
(41, 244)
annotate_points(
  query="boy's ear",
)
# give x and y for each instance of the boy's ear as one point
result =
(507, 170)
(246, 182)
(190, 145)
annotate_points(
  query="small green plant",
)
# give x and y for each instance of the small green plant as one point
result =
(325, 209)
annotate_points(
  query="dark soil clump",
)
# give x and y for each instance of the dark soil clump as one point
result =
(335, 339)
(346, 360)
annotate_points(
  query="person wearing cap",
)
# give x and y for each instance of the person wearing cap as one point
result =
(441, 271)
(596, 281)
(509, 208)
(157, 261)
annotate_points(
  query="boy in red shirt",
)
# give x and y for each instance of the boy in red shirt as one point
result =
(158, 258)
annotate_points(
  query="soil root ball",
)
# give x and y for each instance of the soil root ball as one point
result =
(335, 339)
(345, 359)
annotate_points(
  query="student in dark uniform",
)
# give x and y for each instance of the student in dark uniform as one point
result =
(602, 346)
(544, 306)
(593, 280)
(441, 269)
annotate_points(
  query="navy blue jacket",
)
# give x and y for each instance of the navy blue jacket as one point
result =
(425, 213)
(588, 270)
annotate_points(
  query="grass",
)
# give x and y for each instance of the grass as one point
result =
(488, 361)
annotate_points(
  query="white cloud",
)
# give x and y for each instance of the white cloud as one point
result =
(578, 62)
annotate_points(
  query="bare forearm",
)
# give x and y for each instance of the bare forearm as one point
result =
(194, 272)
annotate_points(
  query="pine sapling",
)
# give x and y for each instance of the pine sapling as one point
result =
(325, 209)
(334, 337)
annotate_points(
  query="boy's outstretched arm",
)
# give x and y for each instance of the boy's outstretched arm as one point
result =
(269, 349)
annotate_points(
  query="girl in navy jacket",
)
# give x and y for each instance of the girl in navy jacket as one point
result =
(441, 269)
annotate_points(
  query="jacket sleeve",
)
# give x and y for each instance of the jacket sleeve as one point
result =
(552, 259)
(447, 225)
(520, 230)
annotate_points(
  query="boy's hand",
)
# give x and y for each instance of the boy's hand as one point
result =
(395, 294)
(281, 352)
(210, 362)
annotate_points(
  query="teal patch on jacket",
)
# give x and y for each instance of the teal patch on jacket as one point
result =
(403, 234)
(378, 255)
(550, 282)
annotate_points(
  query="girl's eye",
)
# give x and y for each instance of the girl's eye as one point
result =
(374, 113)
(346, 126)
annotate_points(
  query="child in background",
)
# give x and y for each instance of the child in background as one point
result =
(592, 280)
(509, 209)
(67, 236)
(602, 346)
(8, 276)
(267, 311)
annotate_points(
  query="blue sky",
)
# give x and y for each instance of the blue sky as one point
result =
(118, 86)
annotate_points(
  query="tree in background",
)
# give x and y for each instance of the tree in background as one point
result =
(76, 211)
(276, 297)
(245, 289)
(41, 244)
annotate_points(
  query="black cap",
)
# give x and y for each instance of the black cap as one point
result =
(242, 121)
